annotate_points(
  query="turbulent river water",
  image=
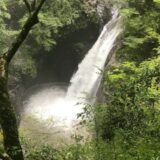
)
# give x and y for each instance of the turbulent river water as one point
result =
(62, 104)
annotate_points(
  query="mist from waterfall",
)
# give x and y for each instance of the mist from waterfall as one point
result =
(63, 105)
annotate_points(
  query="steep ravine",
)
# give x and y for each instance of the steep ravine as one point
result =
(55, 69)
(55, 106)
(59, 64)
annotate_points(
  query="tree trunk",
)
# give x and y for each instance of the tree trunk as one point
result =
(8, 118)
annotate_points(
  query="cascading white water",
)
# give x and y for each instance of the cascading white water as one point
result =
(61, 105)
(88, 76)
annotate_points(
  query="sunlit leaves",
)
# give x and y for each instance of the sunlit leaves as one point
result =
(157, 1)
(5, 32)
(132, 109)
(128, 12)
(141, 36)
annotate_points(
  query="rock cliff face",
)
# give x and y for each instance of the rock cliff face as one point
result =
(61, 62)
(70, 50)
(101, 7)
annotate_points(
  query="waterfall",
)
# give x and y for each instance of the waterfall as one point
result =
(85, 81)
(62, 105)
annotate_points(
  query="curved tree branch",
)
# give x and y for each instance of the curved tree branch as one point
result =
(8, 119)
(33, 5)
(39, 7)
(28, 6)
(31, 21)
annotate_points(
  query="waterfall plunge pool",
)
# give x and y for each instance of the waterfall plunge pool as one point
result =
(57, 106)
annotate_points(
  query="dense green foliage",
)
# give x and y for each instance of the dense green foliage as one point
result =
(127, 125)
(141, 37)
(58, 19)
(129, 120)
(132, 109)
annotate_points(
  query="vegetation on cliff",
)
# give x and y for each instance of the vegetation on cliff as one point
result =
(130, 121)
(126, 126)
(57, 19)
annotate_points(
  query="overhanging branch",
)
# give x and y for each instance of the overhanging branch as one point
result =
(39, 7)
(28, 6)
(31, 21)
(33, 6)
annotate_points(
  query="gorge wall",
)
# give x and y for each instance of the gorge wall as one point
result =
(61, 61)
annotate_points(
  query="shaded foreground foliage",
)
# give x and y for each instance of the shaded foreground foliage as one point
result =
(8, 120)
